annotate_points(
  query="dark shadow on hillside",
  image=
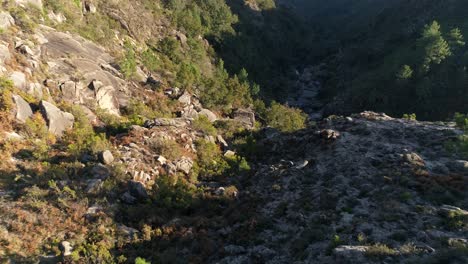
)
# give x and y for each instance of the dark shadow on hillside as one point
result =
(270, 44)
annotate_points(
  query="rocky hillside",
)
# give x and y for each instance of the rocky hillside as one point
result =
(362, 189)
(125, 140)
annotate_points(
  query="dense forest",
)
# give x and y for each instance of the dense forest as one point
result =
(392, 56)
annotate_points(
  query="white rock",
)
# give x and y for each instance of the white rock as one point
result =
(19, 80)
(6, 20)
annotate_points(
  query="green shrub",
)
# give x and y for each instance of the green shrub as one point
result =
(284, 118)
(380, 251)
(150, 60)
(82, 138)
(128, 64)
(204, 125)
(210, 162)
(22, 18)
(410, 117)
(229, 128)
(168, 148)
(170, 195)
(461, 145)
(462, 121)
(141, 261)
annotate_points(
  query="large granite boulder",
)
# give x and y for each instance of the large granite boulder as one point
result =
(106, 100)
(22, 109)
(210, 115)
(57, 120)
(245, 116)
(19, 80)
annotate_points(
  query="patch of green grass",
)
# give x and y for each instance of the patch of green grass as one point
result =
(380, 251)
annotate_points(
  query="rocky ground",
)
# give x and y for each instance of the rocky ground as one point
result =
(304, 93)
(361, 189)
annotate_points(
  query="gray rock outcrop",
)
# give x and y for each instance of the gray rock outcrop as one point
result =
(22, 109)
(57, 120)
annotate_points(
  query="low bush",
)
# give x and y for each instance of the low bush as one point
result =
(170, 149)
(284, 118)
(210, 162)
(82, 138)
(204, 125)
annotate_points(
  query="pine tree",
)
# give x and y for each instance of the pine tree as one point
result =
(404, 73)
(456, 39)
(436, 48)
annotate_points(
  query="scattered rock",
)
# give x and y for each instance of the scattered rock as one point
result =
(57, 18)
(350, 254)
(162, 160)
(36, 3)
(174, 122)
(458, 242)
(447, 210)
(184, 165)
(106, 100)
(220, 191)
(100, 171)
(245, 116)
(89, 7)
(302, 165)
(23, 109)
(12, 136)
(5, 54)
(66, 248)
(128, 198)
(460, 166)
(229, 153)
(221, 141)
(137, 190)
(127, 231)
(19, 80)
(185, 99)
(57, 120)
(106, 157)
(69, 91)
(93, 186)
(329, 134)
(210, 115)
(414, 159)
(6, 20)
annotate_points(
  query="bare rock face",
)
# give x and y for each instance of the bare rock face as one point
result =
(210, 115)
(5, 54)
(137, 190)
(36, 3)
(101, 85)
(184, 165)
(69, 91)
(19, 80)
(106, 100)
(57, 120)
(6, 20)
(350, 254)
(245, 117)
(172, 122)
(23, 109)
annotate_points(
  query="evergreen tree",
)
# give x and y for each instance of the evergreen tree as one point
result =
(404, 73)
(436, 48)
(456, 38)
